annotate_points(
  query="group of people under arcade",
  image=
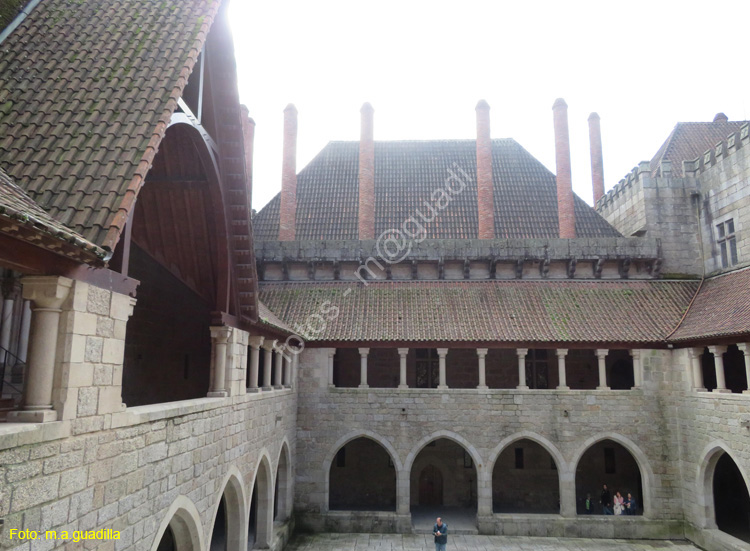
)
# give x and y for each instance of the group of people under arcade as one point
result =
(618, 505)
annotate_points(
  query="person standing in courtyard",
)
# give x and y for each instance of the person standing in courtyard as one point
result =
(606, 500)
(440, 531)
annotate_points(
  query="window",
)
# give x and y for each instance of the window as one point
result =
(727, 243)
(609, 460)
(427, 368)
(536, 369)
(519, 458)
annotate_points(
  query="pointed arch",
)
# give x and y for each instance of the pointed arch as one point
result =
(233, 493)
(284, 482)
(449, 435)
(641, 460)
(185, 522)
(262, 488)
(709, 457)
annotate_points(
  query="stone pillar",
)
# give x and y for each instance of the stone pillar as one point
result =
(482, 354)
(256, 342)
(637, 368)
(562, 383)
(568, 493)
(219, 336)
(288, 370)
(5, 326)
(745, 349)
(521, 353)
(442, 352)
(718, 352)
(47, 294)
(601, 356)
(363, 352)
(695, 364)
(484, 492)
(402, 493)
(331, 354)
(278, 370)
(267, 361)
(402, 353)
(23, 342)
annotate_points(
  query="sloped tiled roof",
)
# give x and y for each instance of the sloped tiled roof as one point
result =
(689, 140)
(721, 309)
(86, 91)
(19, 209)
(406, 175)
(489, 311)
(266, 317)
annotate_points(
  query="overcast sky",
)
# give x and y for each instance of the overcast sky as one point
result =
(642, 65)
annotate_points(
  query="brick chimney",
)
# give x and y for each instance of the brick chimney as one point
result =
(565, 206)
(288, 213)
(485, 200)
(366, 175)
(721, 117)
(248, 134)
(597, 162)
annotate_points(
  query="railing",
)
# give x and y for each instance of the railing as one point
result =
(10, 360)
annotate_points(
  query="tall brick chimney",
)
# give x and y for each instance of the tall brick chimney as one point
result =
(485, 198)
(597, 161)
(248, 133)
(366, 175)
(288, 213)
(565, 205)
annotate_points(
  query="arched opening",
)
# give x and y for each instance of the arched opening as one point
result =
(443, 482)
(525, 480)
(178, 253)
(182, 532)
(167, 542)
(608, 463)
(260, 529)
(219, 533)
(282, 492)
(708, 367)
(362, 477)
(731, 499)
(620, 375)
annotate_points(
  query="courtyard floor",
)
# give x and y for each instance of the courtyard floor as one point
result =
(421, 542)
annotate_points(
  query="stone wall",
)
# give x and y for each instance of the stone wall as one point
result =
(484, 422)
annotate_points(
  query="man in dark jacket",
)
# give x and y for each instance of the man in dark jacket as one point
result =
(606, 501)
(440, 531)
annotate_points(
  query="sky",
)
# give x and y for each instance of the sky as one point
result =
(641, 65)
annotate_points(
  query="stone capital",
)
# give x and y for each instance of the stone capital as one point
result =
(717, 349)
(364, 351)
(561, 352)
(442, 352)
(521, 352)
(221, 333)
(403, 351)
(268, 344)
(636, 353)
(482, 352)
(744, 348)
(331, 352)
(256, 341)
(601, 352)
(46, 291)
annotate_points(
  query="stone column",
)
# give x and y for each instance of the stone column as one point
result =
(47, 294)
(745, 349)
(267, 361)
(5, 323)
(442, 352)
(363, 352)
(278, 369)
(402, 353)
(220, 336)
(23, 342)
(637, 368)
(288, 370)
(695, 365)
(521, 353)
(484, 492)
(331, 354)
(562, 383)
(601, 356)
(482, 355)
(256, 342)
(718, 352)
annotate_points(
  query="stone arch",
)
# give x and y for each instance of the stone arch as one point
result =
(233, 493)
(647, 474)
(478, 464)
(705, 476)
(185, 522)
(283, 490)
(263, 488)
(548, 446)
(343, 441)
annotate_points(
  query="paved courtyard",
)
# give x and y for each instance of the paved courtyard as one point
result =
(421, 542)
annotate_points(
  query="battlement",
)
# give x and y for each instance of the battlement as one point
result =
(725, 148)
(636, 175)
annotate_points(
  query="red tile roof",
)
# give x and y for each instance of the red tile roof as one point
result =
(18, 210)
(690, 140)
(86, 91)
(482, 311)
(721, 309)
